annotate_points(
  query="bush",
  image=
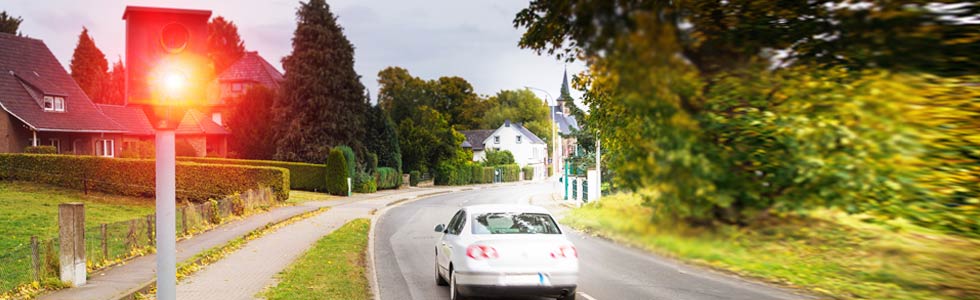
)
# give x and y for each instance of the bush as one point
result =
(371, 163)
(388, 178)
(336, 173)
(528, 172)
(351, 160)
(131, 177)
(448, 173)
(41, 150)
(487, 174)
(496, 158)
(414, 177)
(214, 211)
(509, 173)
(302, 176)
(364, 183)
(237, 204)
(139, 149)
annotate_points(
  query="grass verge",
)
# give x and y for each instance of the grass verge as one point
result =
(298, 197)
(827, 252)
(334, 268)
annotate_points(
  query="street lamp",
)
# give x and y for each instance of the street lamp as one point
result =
(554, 131)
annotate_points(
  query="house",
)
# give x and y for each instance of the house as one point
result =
(528, 149)
(42, 105)
(249, 71)
(564, 125)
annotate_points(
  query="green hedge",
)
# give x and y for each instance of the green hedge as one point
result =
(351, 160)
(510, 172)
(302, 176)
(388, 178)
(336, 173)
(41, 150)
(364, 183)
(528, 172)
(447, 173)
(136, 177)
(414, 177)
(481, 174)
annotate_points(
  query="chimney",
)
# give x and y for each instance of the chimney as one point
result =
(507, 123)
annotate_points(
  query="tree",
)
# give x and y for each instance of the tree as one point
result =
(337, 173)
(401, 93)
(89, 68)
(323, 100)
(225, 46)
(8, 23)
(382, 138)
(521, 106)
(496, 158)
(251, 124)
(427, 140)
(115, 91)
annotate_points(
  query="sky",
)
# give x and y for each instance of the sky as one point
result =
(473, 39)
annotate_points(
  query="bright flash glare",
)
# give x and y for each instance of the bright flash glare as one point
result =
(174, 82)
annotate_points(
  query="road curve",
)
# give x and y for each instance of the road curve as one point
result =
(404, 256)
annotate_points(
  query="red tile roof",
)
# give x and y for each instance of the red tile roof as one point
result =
(28, 71)
(252, 68)
(196, 122)
(130, 117)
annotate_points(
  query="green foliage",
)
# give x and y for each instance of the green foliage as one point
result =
(128, 177)
(115, 90)
(139, 149)
(382, 138)
(371, 163)
(214, 211)
(182, 147)
(41, 150)
(450, 173)
(510, 173)
(237, 204)
(528, 172)
(302, 176)
(401, 94)
(89, 67)
(252, 124)
(388, 178)
(9, 23)
(428, 140)
(496, 158)
(323, 102)
(414, 177)
(364, 183)
(337, 173)
(332, 269)
(519, 106)
(351, 160)
(225, 46)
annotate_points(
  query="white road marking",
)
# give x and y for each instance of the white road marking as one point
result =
(586, 296)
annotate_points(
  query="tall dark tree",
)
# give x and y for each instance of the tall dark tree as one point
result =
(251, 124)
(89, 68)
(115, 92)
(381, 138)
(323, 101)
(8, 23)
(225, 46)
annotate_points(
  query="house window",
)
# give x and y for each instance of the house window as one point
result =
(105, 148)
(496, 139)
(518, 139)
(52, 103)
(216, 117)
(236, 87)
(57, 145)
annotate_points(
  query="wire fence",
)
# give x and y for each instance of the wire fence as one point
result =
(37, 261)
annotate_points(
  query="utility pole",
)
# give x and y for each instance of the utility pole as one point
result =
(598, 164)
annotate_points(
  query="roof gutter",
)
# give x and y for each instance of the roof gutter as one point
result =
(35, 128)
(18, 118)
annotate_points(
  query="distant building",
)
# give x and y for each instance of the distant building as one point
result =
(565, 124)
(528, 149)
(249, 71)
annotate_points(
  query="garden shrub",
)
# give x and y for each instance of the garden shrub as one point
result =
(364, 183)
(498, 157)
(528, 172)
(371, 163)
(488, 174)
(131, 177)
(237, 204)
(448, 173)
(41, 150)
(336, 173)
(302, 176)
(388, 178)
(214, 211)
(351, 160)
(509, 173)
(414, 177)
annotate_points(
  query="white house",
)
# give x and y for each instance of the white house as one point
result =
(528, 149)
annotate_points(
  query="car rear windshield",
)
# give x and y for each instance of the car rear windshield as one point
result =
(514, 223)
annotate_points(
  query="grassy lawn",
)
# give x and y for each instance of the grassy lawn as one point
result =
(296, 197)
(332, 269)
(28, 209)
(827, 252)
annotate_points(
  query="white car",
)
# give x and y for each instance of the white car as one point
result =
(507, 251)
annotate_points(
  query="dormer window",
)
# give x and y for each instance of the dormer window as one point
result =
(496, 139)
(518, 139)
(54, 103)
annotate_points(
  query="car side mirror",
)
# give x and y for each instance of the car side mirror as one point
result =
(440, 228)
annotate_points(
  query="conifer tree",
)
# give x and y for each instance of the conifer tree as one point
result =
(115, 91)
(89, 68)
(9, 23)
(225, 46)
(322, 102)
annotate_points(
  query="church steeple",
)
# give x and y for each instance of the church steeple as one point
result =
(565, 94)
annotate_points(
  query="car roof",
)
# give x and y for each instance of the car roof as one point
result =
(485, 208)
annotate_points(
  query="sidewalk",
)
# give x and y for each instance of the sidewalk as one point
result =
(121, 282)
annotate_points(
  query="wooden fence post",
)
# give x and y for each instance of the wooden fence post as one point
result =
(35, 259)
(105, 241)
(71, 234)
(131, 236)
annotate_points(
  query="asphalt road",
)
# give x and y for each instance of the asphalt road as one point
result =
(404, 256)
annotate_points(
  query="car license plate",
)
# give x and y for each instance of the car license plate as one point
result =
(538, 279)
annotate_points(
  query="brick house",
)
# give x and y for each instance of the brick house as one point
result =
(249, 71)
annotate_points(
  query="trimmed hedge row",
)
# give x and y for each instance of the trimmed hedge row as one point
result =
(302, 176)
(528, 172)
(414, 177)
(337, 175)
(481, 174)
(510, 172)
(136, 177)
(447, 173)
(388, 178)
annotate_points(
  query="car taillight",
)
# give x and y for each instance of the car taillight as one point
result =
(479, 252)
(565, 252)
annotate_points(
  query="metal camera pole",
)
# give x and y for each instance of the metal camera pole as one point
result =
(166, 218)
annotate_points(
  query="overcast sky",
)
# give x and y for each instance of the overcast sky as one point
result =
(474, 39)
